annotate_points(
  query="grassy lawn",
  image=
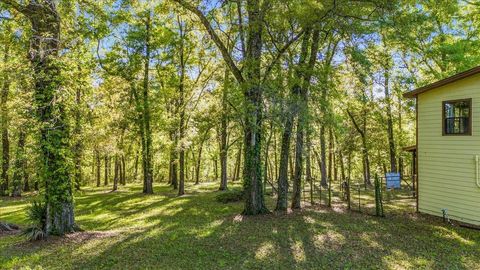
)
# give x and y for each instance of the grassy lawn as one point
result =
(127, 230)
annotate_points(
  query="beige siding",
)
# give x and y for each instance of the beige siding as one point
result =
(446, 164)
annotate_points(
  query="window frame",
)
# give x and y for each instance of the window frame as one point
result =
(469, 101)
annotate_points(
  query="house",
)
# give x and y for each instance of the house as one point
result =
(448, 147)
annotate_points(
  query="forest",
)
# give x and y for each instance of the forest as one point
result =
(222, 134)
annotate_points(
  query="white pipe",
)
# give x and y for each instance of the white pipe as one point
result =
(476, 171)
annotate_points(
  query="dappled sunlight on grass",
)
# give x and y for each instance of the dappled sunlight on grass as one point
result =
(129, 230)
(328, 241)
(298, 251)
(265, 250)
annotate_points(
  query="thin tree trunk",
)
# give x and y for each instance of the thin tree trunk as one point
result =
(115, 174)
(282, 198)
(365, 155)
(105, 183)
(147, 155)
(4, 185)
(19, 166)
(97, 154)
(124, 173)
(181, 126)
(223, 135)
(302, 123)
(198, 163)
(78, 147)
(238, 163)
(323, 157)
(391, 140)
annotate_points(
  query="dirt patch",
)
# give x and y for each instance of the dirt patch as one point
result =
(8, 233)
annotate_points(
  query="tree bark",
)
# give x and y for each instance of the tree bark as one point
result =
(105, 183)
(4, 126)
(223, 135)
(181, 126)
(116, 174)
(51, 114)
(302, 123)
(97, 156)
(365, 155)
(78, 147)
(391, 140)
(19, 166)
(282, 198)
(147, 154)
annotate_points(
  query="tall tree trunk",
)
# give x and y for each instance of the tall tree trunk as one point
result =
(51, 114)
(4, 126)
(330, 156)
(78, 147)
(238, 163)
(135, 167)
(97, 155)
(116, 173)
(365, 155)
(308, 166)
(223, 135)
(302, 123)
(266, 160)
(19, 166)
(123, 172)
(391, 140)
(147, 154)
(282, 198)
(323, 157)
(198, 163)
(181, 126)
(105, 183)
(252, 171)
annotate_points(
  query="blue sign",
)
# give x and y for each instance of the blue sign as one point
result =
(392, 180)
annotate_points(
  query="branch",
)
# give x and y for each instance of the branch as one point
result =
(281, 52)
(355, 124)
(216, 39)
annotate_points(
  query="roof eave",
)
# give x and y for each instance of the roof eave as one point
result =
(451, 79)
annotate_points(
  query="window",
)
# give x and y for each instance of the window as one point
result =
(457, 117)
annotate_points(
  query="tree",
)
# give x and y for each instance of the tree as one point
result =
(50, 112)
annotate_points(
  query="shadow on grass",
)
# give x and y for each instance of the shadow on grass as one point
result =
(163, 231)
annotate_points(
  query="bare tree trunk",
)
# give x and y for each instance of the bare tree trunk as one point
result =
(105, 183)
(147, 154)
(97, 155)
(391, 140)
(292, 110)
(365, 155)
(19, 166)
(123, 174)
(223, 135)
(323, 157)
(302, 123)
(115, 174)
(238, 163)
(198, 163)
(4, 126)
(78, 147)
(181, 127)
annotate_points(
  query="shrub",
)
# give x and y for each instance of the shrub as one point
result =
(230, 196)
(37, 215)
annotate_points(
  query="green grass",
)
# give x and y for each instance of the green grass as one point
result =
(127, 230)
